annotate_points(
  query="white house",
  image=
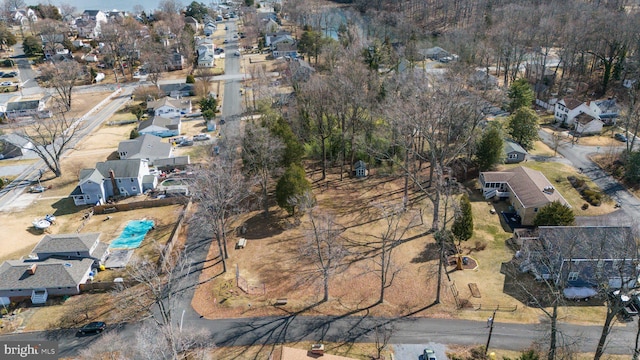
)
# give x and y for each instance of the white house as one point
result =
(89, 25)
(24, 16)
(568, 109)
(586, 124)
(169, 107)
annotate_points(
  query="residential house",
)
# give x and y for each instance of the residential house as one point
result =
(177, 91)
(52, 45)
(113, 178)
(270, 26)
(300, 70)
(176, 61)
(586, 124)
(171, 163)
(528, 191)
(58, 265)
(27, 108)
(169, 107)
(160, 126)
(71, 246)
(483, 80)
(191, 21)
(91, 57)
(14, 146)
(436, 53)
(206, 53)
(89, 25)
(285, 49)
(533, 72)
(209, 28)
(147, 146)
(582, 256)
(568, 109)
(116, 15)
(273, 38)
(25, 16)
(514, 153)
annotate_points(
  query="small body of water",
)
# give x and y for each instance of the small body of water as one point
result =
(132, 235)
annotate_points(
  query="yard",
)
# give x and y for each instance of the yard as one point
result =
(355, 289)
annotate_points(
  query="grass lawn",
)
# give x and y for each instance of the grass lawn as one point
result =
(557, 174)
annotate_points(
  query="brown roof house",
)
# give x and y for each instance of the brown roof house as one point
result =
(528, 190)
(58, 265)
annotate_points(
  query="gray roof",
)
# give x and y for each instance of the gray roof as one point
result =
(49, 273)
(16, 140)
(127, 168)
(168, 88)
(91, 12)
(527, 185)
(591, 242)
(23, 105)
(161, 122)
(176, 103)
(436, 50)
(510, 146)
(146, 146)
(64, 243)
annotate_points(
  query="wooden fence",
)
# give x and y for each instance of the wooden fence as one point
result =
(111, 208)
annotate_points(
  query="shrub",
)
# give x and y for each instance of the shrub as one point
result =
(588, 193)
(596, 202)
(134, 134)
(480, 245)
(585, 206)
(191, 79)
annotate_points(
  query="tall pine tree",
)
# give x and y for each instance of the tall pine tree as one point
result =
(462, 227)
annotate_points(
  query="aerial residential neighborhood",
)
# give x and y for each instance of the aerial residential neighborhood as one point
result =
(289, 179)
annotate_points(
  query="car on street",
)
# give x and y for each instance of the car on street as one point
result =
(201, 137)
(37, 189)
(429, 354)
(95, 327)
(237, 53)
(620, 137)
(222, 121)
(6, 83)
(225, 41)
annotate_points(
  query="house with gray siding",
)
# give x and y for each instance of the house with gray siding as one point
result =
(582, 256)
(57, 266)
(113, 178)
(160, 126)
(514, 153)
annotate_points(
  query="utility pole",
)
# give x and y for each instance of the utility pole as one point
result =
(490, 325)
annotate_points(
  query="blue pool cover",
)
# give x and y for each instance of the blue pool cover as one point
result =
(132, 235)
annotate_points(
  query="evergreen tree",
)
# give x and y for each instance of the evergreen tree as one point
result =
(292, 184)
(554, 214)
(462, 227)
(32, 47)
(520, 95)
(294, 151)
(523, 127)
(489, 150)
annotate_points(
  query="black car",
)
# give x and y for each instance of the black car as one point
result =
(621, 137)
(95, 327)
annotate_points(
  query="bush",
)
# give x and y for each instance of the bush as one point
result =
(480, 245)
(134, 134)
(191, 79)
(585, 206)
(7, 63)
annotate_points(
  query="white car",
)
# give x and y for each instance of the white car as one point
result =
(237, 53)
(201, 137)
(6, 83)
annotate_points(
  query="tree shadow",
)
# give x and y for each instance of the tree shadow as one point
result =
(261, 227)
(430, 252)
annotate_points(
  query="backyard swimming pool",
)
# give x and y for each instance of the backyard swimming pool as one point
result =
(132, 235)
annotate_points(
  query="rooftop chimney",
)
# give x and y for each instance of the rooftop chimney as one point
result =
(112, 176)
(32, 269)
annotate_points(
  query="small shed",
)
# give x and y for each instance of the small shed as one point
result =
(360, 169)
(514, 153)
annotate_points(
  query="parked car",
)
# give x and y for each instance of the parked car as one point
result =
(93, 328)
(620, 137)
(429, 354)
(221, 121)
(186, 143)
(237, 53)
(37, 189)
(177, 140)
(201, 137)
(225, 41)
(6, 83)
(8, 75)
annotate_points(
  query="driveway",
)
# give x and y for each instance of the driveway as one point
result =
(414, 351)
(578, 156)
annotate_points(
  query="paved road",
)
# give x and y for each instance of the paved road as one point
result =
(578, 155)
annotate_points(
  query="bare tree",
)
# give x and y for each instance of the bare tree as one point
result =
(382, 336)
(394, 231)
(262, 157)
(103, 348)
(66, 10)
(52, 33)
(221, 193)
(62, 77)
(323, 246)
(51, 138)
